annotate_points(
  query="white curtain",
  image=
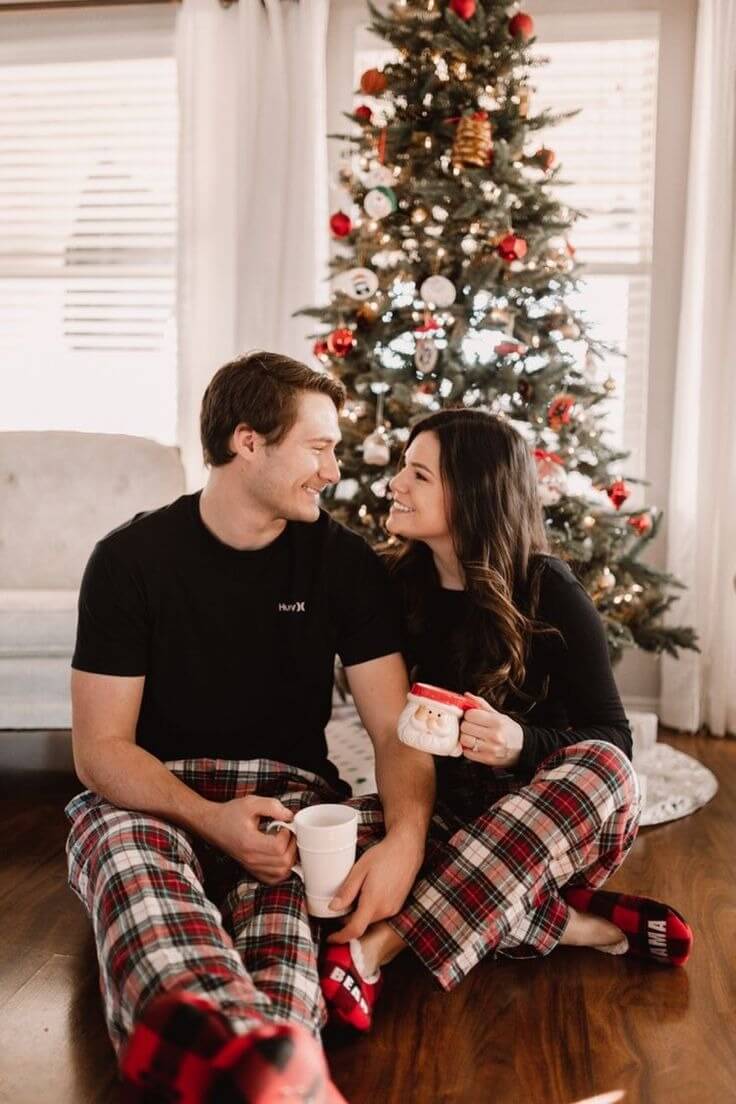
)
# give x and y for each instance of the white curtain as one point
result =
(254, 241)
(701, 689)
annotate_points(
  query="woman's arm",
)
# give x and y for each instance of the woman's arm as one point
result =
(583, 668)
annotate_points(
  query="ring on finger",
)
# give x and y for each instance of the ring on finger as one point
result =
(475, 744)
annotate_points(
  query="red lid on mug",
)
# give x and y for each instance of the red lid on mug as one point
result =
(443, 697)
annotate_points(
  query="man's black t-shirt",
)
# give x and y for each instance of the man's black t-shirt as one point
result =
(237, 648)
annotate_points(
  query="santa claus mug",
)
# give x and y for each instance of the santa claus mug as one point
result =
(430, 720)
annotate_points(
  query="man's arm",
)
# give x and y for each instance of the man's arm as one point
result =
(108, 761)
(406, 785)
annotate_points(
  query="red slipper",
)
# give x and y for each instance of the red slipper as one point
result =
(653, 929)
(349, 997)
(170, 1053)
(275, 1063)
(183, 1051)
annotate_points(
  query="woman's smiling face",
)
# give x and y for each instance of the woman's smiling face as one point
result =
(420, 506)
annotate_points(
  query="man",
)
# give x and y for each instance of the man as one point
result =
(201, 685)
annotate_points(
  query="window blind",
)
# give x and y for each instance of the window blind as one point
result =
(88, 222)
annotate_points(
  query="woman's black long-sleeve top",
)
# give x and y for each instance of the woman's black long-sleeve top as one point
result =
(581, 701)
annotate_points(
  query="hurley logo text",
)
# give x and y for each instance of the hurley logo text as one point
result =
(291, 607)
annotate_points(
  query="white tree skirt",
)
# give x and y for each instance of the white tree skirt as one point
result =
(673, 784)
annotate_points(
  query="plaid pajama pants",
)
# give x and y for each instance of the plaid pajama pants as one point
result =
(170, 912)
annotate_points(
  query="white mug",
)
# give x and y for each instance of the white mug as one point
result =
(326, 837)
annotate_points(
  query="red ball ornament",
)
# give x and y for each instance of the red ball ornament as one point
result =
(512, 248)
(559, 411)
(373, 82)
(641, 523)
(340, 342)
(320, 349)
(521, 26)
(618, 492)
(340, 224)
(465, 9)
(363, 113)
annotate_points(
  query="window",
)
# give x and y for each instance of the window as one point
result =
(88, 129)
(606, 65)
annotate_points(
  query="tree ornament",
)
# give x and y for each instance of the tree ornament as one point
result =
(463, 9)
(380, 202)
(473, 145)
(340, 342)
(438, 291)
(551, 477)
(373, 82)
(378, 175)
(641, 524)
(377, 448)
(544, 158)
(320, 349)
(340, 224)
(512, 248)
(366, 315)
(521, 26)
(588, 522)
(508, 348)
(363, 113)
(357, 283)
(609, 385)
(469, 245)
(618, 492)
(559, 411)
(426, 354)
(606, 581)
(408, 11)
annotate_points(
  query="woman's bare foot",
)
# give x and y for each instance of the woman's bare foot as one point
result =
(586, 930)
(380, 945)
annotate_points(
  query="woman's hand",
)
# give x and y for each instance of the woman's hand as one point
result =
(490, 737)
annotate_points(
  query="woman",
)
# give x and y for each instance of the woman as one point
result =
(543, 806)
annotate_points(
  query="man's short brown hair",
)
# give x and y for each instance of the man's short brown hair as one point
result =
(261, 390)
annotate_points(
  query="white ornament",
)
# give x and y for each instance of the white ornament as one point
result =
(376, 448)
(380, 202)
(551, 480)
(358, 283)
(439, 291)
(429, 724)
(469, 245)
(426, 355)
(377, 176)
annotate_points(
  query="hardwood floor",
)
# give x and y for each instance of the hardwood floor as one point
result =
(549, 1031)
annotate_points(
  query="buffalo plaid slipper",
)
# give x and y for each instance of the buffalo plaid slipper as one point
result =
(653, 930)
(350, 998)
(183, 1051)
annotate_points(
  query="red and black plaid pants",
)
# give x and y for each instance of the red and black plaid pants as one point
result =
(170, 912)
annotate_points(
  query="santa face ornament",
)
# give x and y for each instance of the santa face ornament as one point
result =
(430, 720)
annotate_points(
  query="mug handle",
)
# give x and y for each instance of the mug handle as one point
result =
(297, 869)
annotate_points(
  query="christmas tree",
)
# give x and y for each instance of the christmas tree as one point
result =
(450, 285)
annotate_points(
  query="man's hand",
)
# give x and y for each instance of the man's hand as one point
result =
(490, 737)
(381, 879)
(234, 827)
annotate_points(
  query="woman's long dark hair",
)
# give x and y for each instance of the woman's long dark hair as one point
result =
(497, 526)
